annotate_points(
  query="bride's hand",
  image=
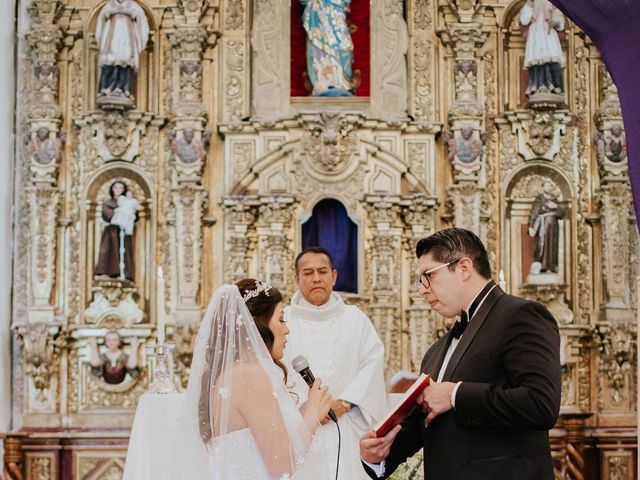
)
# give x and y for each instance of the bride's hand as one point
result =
(317, 405)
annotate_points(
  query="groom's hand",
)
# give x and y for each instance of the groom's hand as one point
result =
(373, 449)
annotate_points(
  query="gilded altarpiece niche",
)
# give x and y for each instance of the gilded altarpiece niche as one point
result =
(225, 167)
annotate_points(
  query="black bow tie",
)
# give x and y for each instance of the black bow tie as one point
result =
(459, 327)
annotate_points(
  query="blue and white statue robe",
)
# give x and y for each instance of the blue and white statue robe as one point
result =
(329, 46)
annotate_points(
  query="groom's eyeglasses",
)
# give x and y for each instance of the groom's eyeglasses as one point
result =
(424, 278)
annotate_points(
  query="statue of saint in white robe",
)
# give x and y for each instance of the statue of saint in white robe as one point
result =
(344, 350)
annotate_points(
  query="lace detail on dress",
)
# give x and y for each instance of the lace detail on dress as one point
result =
(242, 459)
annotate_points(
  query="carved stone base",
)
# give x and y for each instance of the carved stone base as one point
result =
(115, 101)
(553, 297)
(545, 100)
(114, 300)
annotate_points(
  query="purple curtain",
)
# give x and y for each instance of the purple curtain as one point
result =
(331, 228)
(614, 27)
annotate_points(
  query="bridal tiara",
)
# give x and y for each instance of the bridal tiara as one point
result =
(260, 287)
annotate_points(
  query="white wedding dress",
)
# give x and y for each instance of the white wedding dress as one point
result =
(239, 422)
(238, 453)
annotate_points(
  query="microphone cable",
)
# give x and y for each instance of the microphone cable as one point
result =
(339, 440)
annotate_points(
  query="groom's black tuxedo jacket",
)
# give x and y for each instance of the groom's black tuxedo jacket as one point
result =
(508, 361)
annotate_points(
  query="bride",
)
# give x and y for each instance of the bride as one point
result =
(240, 421)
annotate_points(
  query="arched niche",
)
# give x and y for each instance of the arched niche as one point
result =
(328, 223)
(271, 63)
(521, 190)
(149, 69)
(514, 42)
(358, 19)
(95, 194)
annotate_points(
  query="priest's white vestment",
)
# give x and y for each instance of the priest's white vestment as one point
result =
(344, 350)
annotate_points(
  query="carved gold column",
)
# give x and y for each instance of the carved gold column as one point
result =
(420, 60)
(419, 218)
(235, 54)
(615, 204)
(188, 198)
(465, 139)
(573, 461)
(240, 214)
(45, 116)
(13, 464)
(273, 229)
(384, 254)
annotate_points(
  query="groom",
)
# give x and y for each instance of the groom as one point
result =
(498, 376)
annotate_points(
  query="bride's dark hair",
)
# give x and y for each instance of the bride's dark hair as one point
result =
(261, 306)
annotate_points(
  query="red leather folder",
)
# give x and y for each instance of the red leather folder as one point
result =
(404, 406)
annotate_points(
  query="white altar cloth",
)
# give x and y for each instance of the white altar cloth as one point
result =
(153, 434)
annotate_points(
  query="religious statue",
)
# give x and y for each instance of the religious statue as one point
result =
(612, 146)
(45, 149)
(329, 47)
(113, 365)
(464, 147)
(188, 149)
(122, 33)
(543, 225)
(543, 57)
(115, 259)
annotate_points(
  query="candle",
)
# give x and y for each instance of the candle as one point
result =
(501, 282)
(160, 307)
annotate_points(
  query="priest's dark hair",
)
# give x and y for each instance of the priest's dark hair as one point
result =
(452, 244)
(314, 249)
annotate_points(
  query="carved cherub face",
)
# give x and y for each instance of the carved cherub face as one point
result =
(616, 130)
(466, 132)
(42, 134)
(112, 340)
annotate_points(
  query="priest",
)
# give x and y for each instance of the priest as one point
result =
(344, 350)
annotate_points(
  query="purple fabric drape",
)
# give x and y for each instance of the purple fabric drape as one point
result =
(331, 228)
(614, 27)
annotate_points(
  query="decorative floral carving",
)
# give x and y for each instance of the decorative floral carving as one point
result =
(240, 216)
(184, 338)
(422, 79)
(40, 356)
(329, 144)
(234, 14)
(467, 38)
(116, 132)
(40, 468)
(617, 360)
(234, 79)
(422, 14)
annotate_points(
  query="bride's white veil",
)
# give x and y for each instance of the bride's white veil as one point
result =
(232, 371)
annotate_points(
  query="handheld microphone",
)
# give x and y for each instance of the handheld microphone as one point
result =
(301, 365)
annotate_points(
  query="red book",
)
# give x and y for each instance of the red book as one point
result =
(404, 407)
